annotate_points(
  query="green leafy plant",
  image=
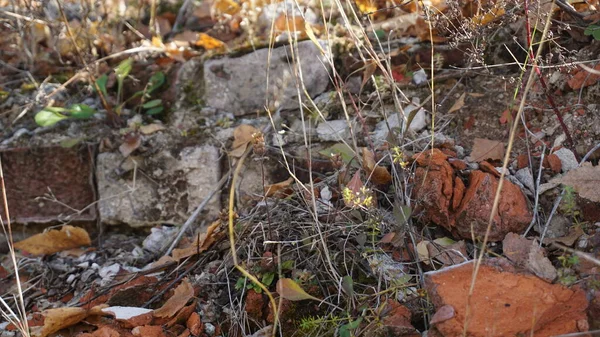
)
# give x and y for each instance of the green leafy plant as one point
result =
(566, 274)
(52, 115)
(593, 30)
(267, 280)
(148, 105)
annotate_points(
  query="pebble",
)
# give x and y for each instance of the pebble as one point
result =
(526, 178)
(567, 158)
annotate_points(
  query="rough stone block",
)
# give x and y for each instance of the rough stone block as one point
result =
(163, 188)
(239, 85)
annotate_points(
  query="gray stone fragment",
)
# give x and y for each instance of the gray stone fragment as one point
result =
(333, 131)
(239, 85)
(395, 121)
(558, 227)
(166, 191)
(567, 159)
(526, 178)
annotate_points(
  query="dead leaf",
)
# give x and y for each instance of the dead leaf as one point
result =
(281, 189)
(584, 180)
(242, 136)
(131, 143)
(377, 174)
(183, 293)
(484, 149)
(290, 290)
(199, 245)
(224, 7)
(459, 104)
(185, 38)
(506, 117)
(491, 15)
(444, 313)
(208, 42)
(151, 128)
(355, 183)
(447, 251)
(366, 6)
(54, 241)
(583, 78)
(284, 23)
(59, 318)
(423, 252)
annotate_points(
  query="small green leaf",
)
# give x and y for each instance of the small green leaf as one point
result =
(155, 111)
(342, 149)
(48, 117)
(348, 285)
(239, 284)
(152, 104)
(268, 278)
(123, 69)
(345, 329)
(69, 143)
(287, 265)
(402, 213)
(155, 81)
(56, 109)
(444, 242)
(101, 82)
(81, 111)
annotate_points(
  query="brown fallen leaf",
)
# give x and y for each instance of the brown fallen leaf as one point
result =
(280, 189)
(131, 143)
(459, 104)
(199, 245)
(484, 149)
(54, 241)
(584, 180)
(242, 136)
(290, 290)
(59, 318)
(183, 293)
(377, 174)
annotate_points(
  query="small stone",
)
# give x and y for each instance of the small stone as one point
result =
(526, 178)
(567, 159)
(238, 84)
(210, 329)
(528, 254)
(333, 131)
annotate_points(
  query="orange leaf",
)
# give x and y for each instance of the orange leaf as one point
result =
(378, 175)
(183, 293)
(54, 241)
(221, 7)
(290, 290)
(281, 189)
(284, 22)
(208, 42)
